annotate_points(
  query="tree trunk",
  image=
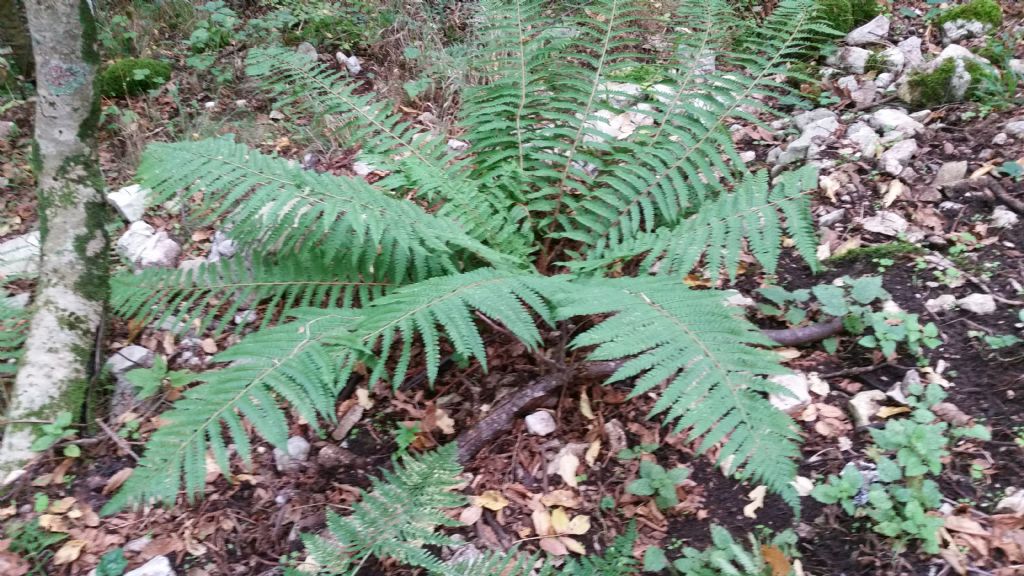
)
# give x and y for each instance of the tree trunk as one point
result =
(58, 359)
(14, 33)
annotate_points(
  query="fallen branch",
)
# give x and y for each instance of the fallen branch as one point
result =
(500, 419)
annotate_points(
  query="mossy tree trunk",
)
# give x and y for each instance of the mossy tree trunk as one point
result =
(58, 359)
(14, 33)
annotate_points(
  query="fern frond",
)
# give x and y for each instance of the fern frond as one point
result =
(710, 358)
(13, 331)
(724, 557)
(674, 166)
(418, 161)
(750, 215)
(196, 298)
(272, 203)
(397, 518)
(287, 361)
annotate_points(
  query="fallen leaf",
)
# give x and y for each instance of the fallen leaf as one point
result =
(470, 515)
(553, 546)
(591, 456)
(444, 422)
(756, 501)
(491, 499)
(777, 560)
(803, 485)
(69, 552)
(572, 545)
(578, 526)
(61, 506)
(896, 189)
(53, 523)
(818, 385)
(363, 397)
(115, 481)
(566, 498)
(559, 520)
(346, 422)
(965, 525)
(13, 565)
(585, 408)
(209, 345)
(890, 411)
(567, 466)
(541, 522)
(788, 353)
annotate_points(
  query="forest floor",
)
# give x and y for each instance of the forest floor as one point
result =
(249, 522)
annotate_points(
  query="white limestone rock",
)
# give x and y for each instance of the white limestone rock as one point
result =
(540, 423)
(895, 120)
(854, 59)
(158, 566)
(130, 201)
(874, 32)
(147, 247)
(865, 138)
(20, 255)
(895, 159)
(978, 303)
(800, 392)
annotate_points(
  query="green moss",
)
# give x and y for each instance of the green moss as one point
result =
(890, 250)
(984, 11)
(132, 76)
(89, 53)
(876, 63)
(932, 88)
(863, 11)
(838, 14)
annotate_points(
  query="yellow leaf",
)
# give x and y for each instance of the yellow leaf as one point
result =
(896, 189)
(572, 545)
(491, 499)
(591, 456)
(61, 506)
(53, 523)
(566, 498)
(541, 522)
(889, 411)
(559, 520)
(788, 353)
(756, 501)
(578, 525)
(470, 515)
(585, 409)
(69, 552)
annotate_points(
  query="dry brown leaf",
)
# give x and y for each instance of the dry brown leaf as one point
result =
(592, 452)
(566, 498)
(69, 552)
(470, 515)
(346, 422)
(585, 408)
(53, 523)
(209, 345)
(578, 526)
(567, 466)
(895, 191)
(756, 501)
(955, 559)
(115, 481)
(952, 414)
(966, 525)
(444, 422)
(553, 546)
(890, 411)
(572, 545)
(777, 560)
(13, 565)
(541, 522)
(61, 506)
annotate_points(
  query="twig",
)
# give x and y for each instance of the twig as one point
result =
(121, 443)
(1002, 195)
(806, 334)
(855, 371)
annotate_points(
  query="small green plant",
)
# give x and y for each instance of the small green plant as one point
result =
(984, 11)
(995, 341)
(636, 452)
(149, 381)
(117, 36)
(1012, 169)
(113, 563)
(899, 493)
(725, 556)
(658, 482)
(50, 434)
(32, 542)
(405, 435)
(132, 76)
(216, 30)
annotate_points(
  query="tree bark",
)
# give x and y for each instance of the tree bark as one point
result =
(14, 33)
(71, 293)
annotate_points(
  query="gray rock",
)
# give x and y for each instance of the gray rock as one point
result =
(799, 396)
(457, 145)
(865, 138)
(809, 143)
(1003, 218)
(20, 255)
(874, 32)
(884, 80)
(146, 247)
(296, 453)
(540, 423)
(129, 201)
(950, 207)
(865, 94)
(1013, 503)
(895, 120)
(244, 317)
(894, 60)
(957, 30)
(896, 158)
(805, 119)
(362, 168)
(748, 156)
(129, 358)
(1000, 139)
(978, 303)
(942, 303)
(1015, 129)
(308, 50)
(18, 301)
(138, 545)
(886, 222)
(833, 217)
(622, 94)
(332, 456)
(950, 173)
(854, 59)
(955, 52)
(191, 264)
(848, 83)
(351, 63)
(911, 49)
(1016, 65)
(158, 566)
(221, 247)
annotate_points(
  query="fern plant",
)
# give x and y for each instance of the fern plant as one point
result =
(527, 228)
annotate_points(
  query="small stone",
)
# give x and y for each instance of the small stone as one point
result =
(158, 566)
(276, 115)
(893, 60)
(854, 59)
(221, 247)
(884, 80)
(950, 173)
(352, 64)
(129, 201)
(799, 387)
(138, 545)
(943, 303)
(833, 217)
(864, 95)
(895, 120)
(957, 30)
(978, 303)
(864, 406)
(308, 50)
(332, 456)
(540, 423)
(886, 223)
(245, 317)
(848, 83)
(457, 145)
(297, 452)
(1000, 139)
(894, 159)
(362, 168)
(467, 554)
(20, 255)
(805, 119)
(616, 434)
(1015, 128)
(950, 207)
(129, 358)
(739, 299)
(873, 32)
(1011, 504)
(865, 138)
(748, 156)
(146, 247)
(192, 264)
(18, 301)
(1003, 218)
(911, 49)
(1016, 65)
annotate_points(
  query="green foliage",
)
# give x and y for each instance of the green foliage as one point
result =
(984, 11)
(898, 494)
(658, 482)
(113, 563)
(32, 542)
(400, 269)
(13, 330)
(725, 556)
(149, 381)
(50, 434)
(325, 24)
(132, 76)
(862, 11)
(837, 13)
(216, 29)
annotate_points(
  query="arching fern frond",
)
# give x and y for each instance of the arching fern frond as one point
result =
(710, 359)
(275, 204)
(197, 298)
(287, 361)
(751, 215)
